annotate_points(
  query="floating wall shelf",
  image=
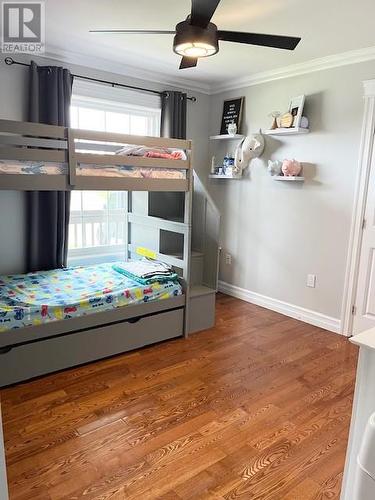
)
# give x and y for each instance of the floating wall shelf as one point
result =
(226, 137)
(222, 176)
(288, 178)
(287, 131)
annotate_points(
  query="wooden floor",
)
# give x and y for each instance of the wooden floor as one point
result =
(256, 408)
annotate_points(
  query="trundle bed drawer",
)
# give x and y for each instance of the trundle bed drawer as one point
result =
(30, 360)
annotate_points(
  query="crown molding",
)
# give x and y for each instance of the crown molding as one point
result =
(210, 88)
(320, 64)
(94, 62)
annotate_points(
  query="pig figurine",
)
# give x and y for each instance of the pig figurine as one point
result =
(291, 168)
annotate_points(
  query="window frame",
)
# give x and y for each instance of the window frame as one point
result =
(153, 114)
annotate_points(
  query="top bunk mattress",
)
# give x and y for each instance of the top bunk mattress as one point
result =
(42, 297)
(25, 167)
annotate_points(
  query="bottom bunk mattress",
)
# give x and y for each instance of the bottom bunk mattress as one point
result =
(46, 296)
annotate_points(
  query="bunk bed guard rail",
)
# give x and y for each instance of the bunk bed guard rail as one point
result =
(36, 156)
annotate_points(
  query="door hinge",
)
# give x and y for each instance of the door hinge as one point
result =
(354, 310)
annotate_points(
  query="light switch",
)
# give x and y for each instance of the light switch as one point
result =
(311, 280)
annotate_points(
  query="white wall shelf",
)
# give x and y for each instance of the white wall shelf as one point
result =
(222, 176)
(287, 131)
(288, 178)
(227, 137)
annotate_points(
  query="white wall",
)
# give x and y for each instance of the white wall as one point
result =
(13, 93)
(279, 232)
(13, 106)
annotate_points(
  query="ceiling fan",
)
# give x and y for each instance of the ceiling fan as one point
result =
(197, 37)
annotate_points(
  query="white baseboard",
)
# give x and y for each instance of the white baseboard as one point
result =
(296, 312)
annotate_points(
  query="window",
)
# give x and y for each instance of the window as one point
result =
(97, 227)
(104, 116)
(97, 231)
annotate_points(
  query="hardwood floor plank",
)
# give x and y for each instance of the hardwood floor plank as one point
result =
(256, 408)
(330, 488)
(306, 490)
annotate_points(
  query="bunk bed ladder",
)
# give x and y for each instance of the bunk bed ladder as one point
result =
(205, 258)
(188, 214)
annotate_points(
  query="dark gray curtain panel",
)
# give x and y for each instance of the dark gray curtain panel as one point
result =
(173, 125)
(47, 215)
(173, 115)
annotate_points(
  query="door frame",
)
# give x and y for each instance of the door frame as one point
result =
(3, 472)
(359, 207)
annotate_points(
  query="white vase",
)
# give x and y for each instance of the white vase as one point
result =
(232, 129)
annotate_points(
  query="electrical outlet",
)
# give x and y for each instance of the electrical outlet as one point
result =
(228, 259)
(311, 280)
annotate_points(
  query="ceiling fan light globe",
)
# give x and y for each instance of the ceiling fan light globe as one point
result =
(195, 49)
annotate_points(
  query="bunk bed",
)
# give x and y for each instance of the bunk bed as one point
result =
(43, 157)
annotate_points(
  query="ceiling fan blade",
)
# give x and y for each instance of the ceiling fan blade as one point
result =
(134, 32)
(276, 41)
(188, 62)
(202, 12)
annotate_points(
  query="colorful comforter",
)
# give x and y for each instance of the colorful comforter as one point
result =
(42, 297)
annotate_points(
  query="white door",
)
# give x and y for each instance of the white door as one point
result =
(364, 311)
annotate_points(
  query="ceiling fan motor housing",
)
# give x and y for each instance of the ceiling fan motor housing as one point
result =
(187, 34)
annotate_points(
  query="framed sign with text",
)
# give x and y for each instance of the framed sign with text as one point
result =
(232, 113)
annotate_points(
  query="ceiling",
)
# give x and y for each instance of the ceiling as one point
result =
(327, 27)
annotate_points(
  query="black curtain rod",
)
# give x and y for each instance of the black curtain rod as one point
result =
(9, 61)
